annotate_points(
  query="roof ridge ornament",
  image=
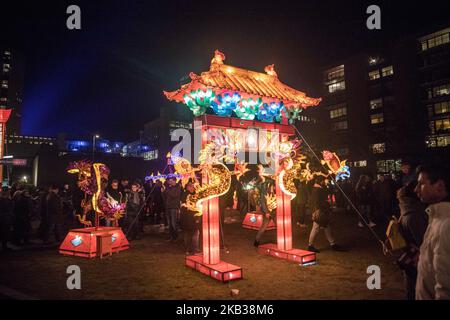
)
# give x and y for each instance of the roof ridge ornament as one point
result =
(218, 59)
(270, 70)
(193, 76)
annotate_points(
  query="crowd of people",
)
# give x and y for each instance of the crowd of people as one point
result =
(419, 201)
(425, 261)
(55, 210)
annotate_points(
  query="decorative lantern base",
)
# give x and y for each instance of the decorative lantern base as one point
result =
(221, 271)
(253, 220)
(302, 257)
(94, 242)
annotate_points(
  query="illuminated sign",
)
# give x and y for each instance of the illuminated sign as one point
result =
(14, 162)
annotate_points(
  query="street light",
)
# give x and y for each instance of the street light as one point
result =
(95, 136)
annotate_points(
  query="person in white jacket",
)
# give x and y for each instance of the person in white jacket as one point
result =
(433, 278)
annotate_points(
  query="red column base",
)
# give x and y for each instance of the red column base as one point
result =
(302, 257)
(221, 271)
(254, 220)
(94, 242)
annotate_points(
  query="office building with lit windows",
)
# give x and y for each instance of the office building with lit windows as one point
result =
(433, 53)
(389, 104)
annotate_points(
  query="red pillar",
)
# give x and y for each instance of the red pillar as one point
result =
(284, 224)
(211, 246)
(211, 249)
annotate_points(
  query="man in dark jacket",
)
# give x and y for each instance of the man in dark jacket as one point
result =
(190, 223)
(320, 208)
(172, 198)
(157, 204)
(135, 202)
(54, 214)
(22, 212)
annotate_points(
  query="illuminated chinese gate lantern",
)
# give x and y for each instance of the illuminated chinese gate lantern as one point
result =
(258, 100)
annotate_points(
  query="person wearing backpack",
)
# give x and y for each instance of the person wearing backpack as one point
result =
(412, 225)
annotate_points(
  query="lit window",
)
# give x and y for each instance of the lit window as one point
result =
(150, 155)
(376, 103)
(424, 45)
(442, 124)
(373, 75)
(340, 125)
(440, 91)
(378, 147)
(340, 112)
(376, 118)
(430, 142)
(442, 107)
(435, 41)
(338, 86)
(432, 43)
(432, 127)
(361, 163)
(373, 61)
(5, 84)
(442, 141)
(388, 165)
(387, 71)
(6, 67)
(336, 73)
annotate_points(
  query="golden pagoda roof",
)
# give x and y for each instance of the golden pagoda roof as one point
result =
(222, 77)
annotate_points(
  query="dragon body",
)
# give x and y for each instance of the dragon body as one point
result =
(92, 180)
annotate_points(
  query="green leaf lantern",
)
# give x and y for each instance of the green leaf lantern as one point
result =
(199, 100)
(248, 108)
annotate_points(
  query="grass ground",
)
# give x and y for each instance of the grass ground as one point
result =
(154, 269)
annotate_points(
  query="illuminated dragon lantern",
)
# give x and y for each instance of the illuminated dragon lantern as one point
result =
(292, 166)
(335, 165)
(215, 173)
(93, 180)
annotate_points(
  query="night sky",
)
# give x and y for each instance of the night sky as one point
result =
(109, 76)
